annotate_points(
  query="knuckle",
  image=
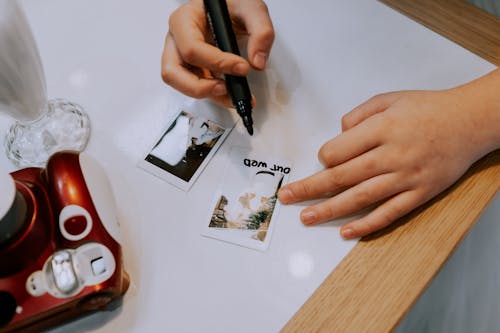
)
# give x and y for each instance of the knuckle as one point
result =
(369, 227)
(383, 129)
(382, 222)
(175, 16)
(385, 219)
(167, 74)
(424, 193)
(221, 65)
(390, 215)
(266, 31)
(378, 96)
(301, 190)
(261, 5)
(346, 120)
(195, 91)
(370, 164)
(328, 212)
(417, 172)
(335, 179)
(363, 198)
(268, 34)
(172, 18)
(325, 154)
(188, 54)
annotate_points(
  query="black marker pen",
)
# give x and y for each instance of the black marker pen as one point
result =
(225, 39)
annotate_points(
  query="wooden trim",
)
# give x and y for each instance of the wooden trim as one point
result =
(459, 21)
(382, 277)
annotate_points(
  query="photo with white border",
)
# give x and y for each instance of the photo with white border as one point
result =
(245, 207)
(186, 146)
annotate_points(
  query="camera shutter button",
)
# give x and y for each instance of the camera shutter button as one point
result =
(75, 222)
(75, 225)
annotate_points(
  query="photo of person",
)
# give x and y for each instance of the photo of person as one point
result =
(184, 147)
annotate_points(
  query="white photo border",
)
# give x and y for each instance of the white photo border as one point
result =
(170, 177)
(238, 236)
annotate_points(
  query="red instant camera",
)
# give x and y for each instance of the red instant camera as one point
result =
(60, 253)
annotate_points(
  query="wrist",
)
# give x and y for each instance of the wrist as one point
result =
(479, 102)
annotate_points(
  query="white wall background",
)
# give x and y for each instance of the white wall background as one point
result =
(492, 6)
(465, 295)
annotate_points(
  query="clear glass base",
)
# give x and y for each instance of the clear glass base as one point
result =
(65, 126)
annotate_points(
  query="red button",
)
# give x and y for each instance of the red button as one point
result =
(75, 225)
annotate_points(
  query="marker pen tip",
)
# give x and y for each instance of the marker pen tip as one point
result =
(250, 130)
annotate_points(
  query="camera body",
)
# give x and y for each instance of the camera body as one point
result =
(60, 252)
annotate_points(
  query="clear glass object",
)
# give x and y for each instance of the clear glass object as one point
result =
(42, 126)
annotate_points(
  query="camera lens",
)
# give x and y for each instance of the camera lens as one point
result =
(7, 307)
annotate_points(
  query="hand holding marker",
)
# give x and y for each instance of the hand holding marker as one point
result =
(225, 39)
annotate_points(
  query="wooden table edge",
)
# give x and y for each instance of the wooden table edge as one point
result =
(382, 277)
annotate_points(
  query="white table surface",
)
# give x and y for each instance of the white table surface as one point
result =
(328, 57)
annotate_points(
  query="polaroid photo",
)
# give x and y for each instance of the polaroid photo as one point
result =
(245, 209)
(186, 146)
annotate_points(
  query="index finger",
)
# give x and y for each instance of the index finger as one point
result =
(189, 28)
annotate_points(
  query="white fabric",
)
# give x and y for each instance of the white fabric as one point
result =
(174, 144)
(23, 94)
(7, 192)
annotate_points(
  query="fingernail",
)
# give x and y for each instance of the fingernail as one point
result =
(239, 69)
(308, 216)
(347, 233)
(219, 90)
(285, 195)
(259, 60)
